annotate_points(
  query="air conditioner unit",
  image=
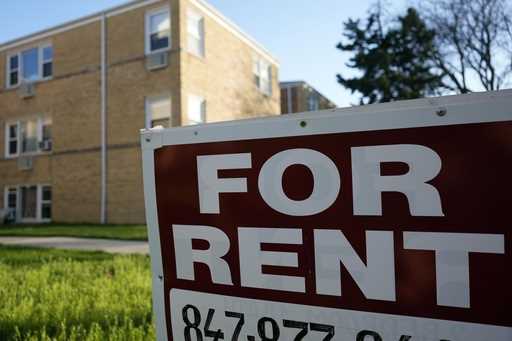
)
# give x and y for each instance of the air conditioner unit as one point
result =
(25, 163)
(27, 90)
(45, 145)
(157, 61)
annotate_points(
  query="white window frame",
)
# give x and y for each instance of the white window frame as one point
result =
(8, 139)
(7, 189)
(39, 202)
(262, 69)
(18, 70)
(199, 20)
(147, 30)
(40, 122)
(40, 63)
(202, 101)
(149, 119)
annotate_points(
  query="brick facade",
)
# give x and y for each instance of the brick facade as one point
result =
(301, 97)
(72, 100)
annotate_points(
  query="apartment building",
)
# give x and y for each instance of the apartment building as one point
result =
(74, 98)
(299, 96)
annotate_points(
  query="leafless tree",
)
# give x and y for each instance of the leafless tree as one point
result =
(474, 42)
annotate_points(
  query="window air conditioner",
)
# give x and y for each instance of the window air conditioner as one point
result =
(27, 90)
(157, 61)
(45, 145)
(25, 163)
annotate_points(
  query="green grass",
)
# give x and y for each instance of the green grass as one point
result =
(57, 295)
(126, 232)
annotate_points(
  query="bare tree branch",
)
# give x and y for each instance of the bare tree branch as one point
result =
(474, 38)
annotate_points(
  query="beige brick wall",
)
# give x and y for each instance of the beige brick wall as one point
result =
(76, 187)
(73, 100)
(224, 77)
(125, 202)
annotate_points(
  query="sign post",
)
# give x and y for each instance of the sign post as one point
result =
(386, 222)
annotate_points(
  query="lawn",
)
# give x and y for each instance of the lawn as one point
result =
(126, 232)
(62, 295)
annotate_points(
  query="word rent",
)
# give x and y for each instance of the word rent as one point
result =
(374, 274)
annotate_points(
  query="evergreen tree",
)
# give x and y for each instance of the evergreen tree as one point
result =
(395, 63)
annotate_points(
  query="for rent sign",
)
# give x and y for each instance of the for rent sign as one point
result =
(382, 223)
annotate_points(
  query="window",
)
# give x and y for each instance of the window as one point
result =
(28, 137)
(14, 69)
(158, 31)
(46, 133)
(158, 112)
(29, 140)
(30, 65)
(12, 133)
(47, 61)
(263, 76)
(29, 203)
(46, 202)
(11, 202)
(29, 60)
(195, 33)
(196, 110)
(313, 102)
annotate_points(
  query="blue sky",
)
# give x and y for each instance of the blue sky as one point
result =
(301, 34)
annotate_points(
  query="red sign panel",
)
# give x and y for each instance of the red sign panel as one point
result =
(395, 234)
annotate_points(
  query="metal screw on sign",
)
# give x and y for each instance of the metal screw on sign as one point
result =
(441, 112)
(303, 124)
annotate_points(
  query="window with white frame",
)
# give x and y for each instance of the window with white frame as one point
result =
(195, 33)
(29, 136)
(11, 202)
(28, 195)
(30, 65)
(47, 61)
(196, 110)
(29, 203)
(158, 111)
(158, 30)
(12, 139)
(262, 71)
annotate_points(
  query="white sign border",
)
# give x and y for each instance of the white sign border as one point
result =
(441, 111)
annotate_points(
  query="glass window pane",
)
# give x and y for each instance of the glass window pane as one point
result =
(159, 22)
(159, 41)
(47, 193)
(11, 199)
(14, 62)
(13, 131)
(29, 202)
(47, 53)
(28, 136)
(194, 23)
(196, 109)
(46, 211)
(47, 131)
(30, 64)
(47, 69)
(13, 78)
(159, 108)
(13, 147)
(165, 122)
